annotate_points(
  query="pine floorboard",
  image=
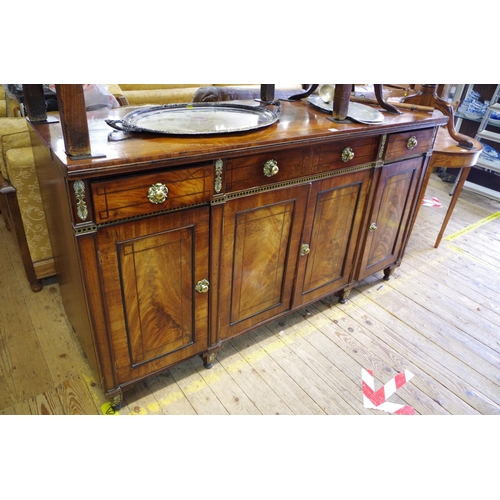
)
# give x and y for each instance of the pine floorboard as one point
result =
(437, 317)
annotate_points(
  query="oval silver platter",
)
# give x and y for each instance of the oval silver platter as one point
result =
(197, 118)
(358, 112)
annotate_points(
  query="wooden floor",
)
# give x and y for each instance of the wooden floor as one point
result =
(438, 318)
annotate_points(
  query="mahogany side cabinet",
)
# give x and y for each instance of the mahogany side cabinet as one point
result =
(168, 246)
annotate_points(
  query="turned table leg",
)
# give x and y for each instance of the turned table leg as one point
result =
(209, 358)
(343, 295)
(115, 398)
(388, 271)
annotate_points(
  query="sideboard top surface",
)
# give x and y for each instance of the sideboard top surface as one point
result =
(299, 123)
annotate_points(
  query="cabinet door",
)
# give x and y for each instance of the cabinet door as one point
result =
(150, 269)
(393, 206)
(330, 236)
(261, 240)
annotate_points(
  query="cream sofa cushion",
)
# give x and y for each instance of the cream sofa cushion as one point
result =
(3, 103)
(159, 86)
(22, 175)
(13, 134)
(159, 96)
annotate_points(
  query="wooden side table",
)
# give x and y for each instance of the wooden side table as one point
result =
(447, 153)
(451, 149)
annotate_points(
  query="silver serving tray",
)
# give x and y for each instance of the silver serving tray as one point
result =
(358, 112)
(198, 118)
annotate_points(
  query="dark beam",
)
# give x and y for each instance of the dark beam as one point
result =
(71, 104)
(34, 100)
(267, 92)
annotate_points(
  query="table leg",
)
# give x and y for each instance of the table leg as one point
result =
(462, 177)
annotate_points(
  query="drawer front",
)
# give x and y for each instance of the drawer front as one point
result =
(405, 144)
(268, 168)
(346, 153)
(144, 194)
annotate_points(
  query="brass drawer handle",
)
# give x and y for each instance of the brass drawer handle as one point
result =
(347, 154)
(412, 142)
(157, 193)
(271, 168)
(202, 286)
(373, 226)
(304, 249)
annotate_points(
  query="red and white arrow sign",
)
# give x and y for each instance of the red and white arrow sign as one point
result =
(433, 202)
(378, 399)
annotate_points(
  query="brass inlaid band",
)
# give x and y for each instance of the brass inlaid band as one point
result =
(86, 229)
(94, 227)
(293, 182)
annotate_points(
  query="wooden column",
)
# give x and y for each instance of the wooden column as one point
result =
(267, 92)
(71, 103)
(341, 101)
(34, 100)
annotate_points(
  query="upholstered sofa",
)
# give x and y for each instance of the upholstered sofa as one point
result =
(8, 106)
(151, 94)
(3, 102)
(20, 201)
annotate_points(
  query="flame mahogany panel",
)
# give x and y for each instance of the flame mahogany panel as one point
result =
(149, 275)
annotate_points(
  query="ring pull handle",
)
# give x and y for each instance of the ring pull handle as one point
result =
(347, 154)
(157, 193)
(271, 168)
(412, 142)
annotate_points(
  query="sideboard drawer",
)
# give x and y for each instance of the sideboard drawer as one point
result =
(268, 168)
(405, 144)
(342, 154)
(143, 194)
